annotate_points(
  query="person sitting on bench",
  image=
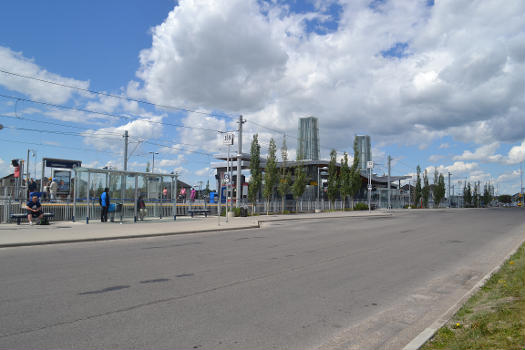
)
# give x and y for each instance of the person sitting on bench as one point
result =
(34, 210)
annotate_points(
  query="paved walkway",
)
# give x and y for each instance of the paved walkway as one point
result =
(12, 235)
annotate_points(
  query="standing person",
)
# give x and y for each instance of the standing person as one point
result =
(34, 210)
(104, 203)
(165, 193)
(141, 206)
(53, 189)
(32, 186)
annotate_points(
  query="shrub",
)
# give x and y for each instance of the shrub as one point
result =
(236, 212)
(360, 206)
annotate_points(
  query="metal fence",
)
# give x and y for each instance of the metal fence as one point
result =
(64, 211)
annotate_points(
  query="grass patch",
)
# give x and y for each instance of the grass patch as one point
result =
(494, 317)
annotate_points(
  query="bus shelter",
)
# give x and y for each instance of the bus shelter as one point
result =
(125, 188)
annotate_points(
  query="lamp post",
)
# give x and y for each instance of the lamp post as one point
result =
(153, 162)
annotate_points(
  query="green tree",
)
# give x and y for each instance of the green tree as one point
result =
(285, 177)
(487, 195)
(299, 184)
(207, 189)
(147, 167)
(467, 196)
(505, 198)
(270, 174)
(255, 170)
(345, 179)
(475, 195)
(439, 188)
(333, 178)
(425, 192)
(417, 190)
(355, 174)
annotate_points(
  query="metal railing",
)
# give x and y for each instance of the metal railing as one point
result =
(158, 209)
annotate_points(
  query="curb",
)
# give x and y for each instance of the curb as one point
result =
(429, 332)
(327, 217)
(247, 227)
(111, 238)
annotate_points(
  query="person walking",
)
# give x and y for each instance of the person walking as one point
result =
(104, 203)
(141, 206)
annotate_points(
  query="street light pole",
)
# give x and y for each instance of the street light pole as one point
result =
(239, 167)
(389, 160)
(449, 198)
(153, 162)
(318, 193)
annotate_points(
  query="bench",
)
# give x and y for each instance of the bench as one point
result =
(199, 211)
(21, 216)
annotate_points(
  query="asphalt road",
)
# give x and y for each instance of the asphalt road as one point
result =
(337, 283)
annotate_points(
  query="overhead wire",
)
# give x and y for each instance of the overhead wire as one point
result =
(185, 109)
(106, 114)
(63, 147)
(136, 138)
(83, 134)
(47, 122)
(101, 93)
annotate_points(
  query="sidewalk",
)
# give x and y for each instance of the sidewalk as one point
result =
(12, 235)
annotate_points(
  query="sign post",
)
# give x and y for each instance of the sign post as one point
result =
(227, 140)
(369, 166)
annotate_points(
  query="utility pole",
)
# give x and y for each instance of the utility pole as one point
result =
(125, 150)
(124, 176)
(389, 160)
(409, 194)
(521, 184)
(369, 165)
(27, 168)
(239, 168)
(449, 199)
(228, 183)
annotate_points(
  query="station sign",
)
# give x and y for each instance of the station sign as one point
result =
(227, 139)
(61, 163)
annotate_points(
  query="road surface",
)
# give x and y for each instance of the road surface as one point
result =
(329, 284)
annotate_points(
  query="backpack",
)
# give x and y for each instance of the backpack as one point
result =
(100, 199)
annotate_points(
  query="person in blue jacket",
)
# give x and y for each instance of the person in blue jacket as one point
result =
(104, 203)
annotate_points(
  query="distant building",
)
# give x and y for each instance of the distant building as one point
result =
(365, 150)
(308, 148)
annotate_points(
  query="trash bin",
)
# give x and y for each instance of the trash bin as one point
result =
(118, 208)
(244, 212)
(111, 211)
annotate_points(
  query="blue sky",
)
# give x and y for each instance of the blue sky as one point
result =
(403, 72)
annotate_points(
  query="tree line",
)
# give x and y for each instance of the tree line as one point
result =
(345, 182)
(472, 196)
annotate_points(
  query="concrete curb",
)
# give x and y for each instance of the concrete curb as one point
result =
(218, 229)
(429, 332)
(327, 217)
(111, 238)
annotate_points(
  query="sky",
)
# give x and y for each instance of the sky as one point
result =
(440, 84)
